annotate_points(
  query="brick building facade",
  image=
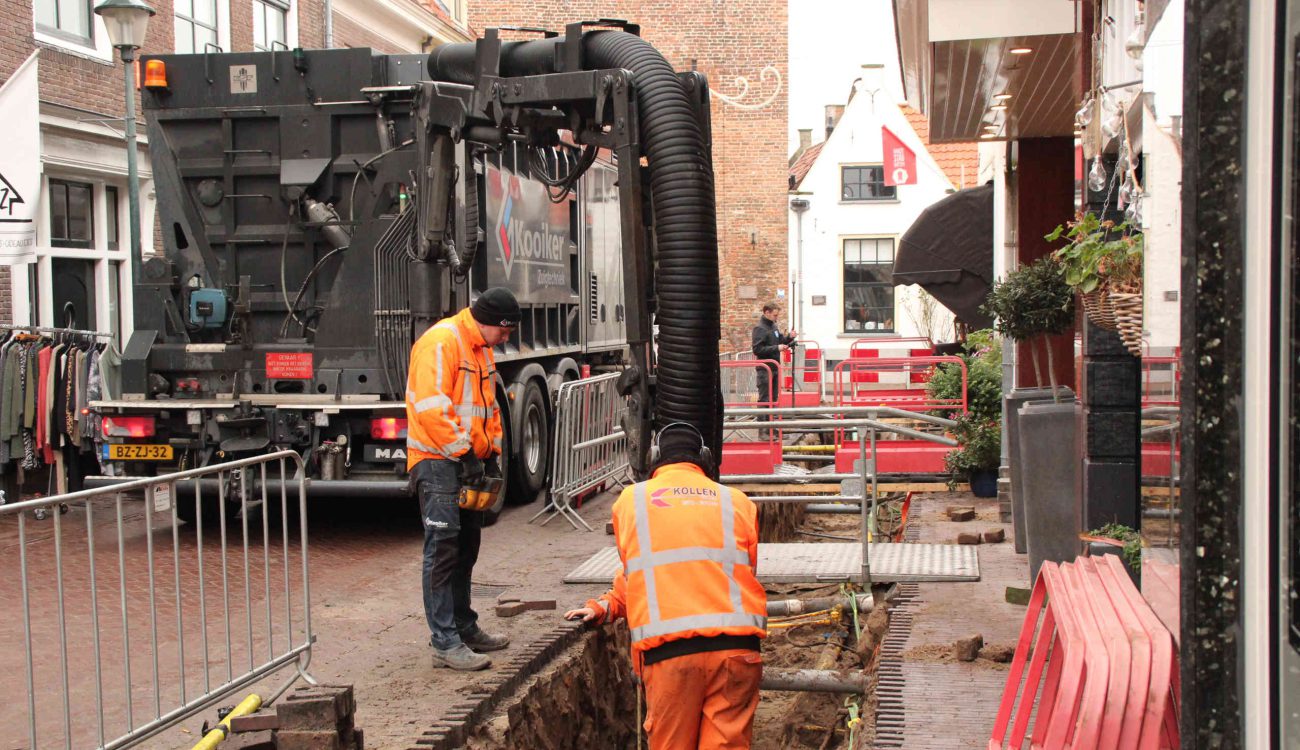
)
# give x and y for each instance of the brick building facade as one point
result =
(83, 162)
(726, 41)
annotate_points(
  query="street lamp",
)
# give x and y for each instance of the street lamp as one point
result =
(127, 21)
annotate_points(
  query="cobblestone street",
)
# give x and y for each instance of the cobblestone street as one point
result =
(366, 613)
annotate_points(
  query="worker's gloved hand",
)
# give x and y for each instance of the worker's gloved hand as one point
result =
(492, 467)
(471, 468)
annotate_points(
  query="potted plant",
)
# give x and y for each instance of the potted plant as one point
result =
(979, 430)
(1030, 304)
(1102, 261)
(978, 454)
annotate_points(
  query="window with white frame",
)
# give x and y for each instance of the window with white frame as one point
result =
(72, 214)
(196, 25)
(81, 255)
(865, 183)
(71, 20)
(270, 24)
(869, 285)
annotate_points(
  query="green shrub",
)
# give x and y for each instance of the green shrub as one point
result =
(1033, 302)
(980, 446)
(983, 359)
(1132, 550)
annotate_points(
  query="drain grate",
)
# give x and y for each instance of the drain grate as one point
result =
(891, 713)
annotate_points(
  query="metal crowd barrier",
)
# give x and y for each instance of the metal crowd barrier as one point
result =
(590, 447)
(832, 419)
(124, 639)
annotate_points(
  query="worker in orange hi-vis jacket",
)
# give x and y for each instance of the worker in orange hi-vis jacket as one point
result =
(690, 596)
(453, 440)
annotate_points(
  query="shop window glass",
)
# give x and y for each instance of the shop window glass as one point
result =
(70, 19)
(196, 25)
(270, 24)
(869, 286)
(865, 184)
(72, 222)
(110, 223)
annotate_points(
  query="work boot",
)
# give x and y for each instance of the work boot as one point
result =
(461, 659)
(482, 641)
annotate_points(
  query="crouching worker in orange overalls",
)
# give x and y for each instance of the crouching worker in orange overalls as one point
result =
(693, 604)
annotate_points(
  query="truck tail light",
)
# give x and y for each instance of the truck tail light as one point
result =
(388, 428)
(135, 427)
(155, 74)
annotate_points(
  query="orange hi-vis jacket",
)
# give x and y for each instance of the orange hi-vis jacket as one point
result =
(451, 404)
(689, 548)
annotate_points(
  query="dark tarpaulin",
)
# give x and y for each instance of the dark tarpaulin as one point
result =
(948, 251)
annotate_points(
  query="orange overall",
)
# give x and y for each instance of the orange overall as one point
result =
(693, 604)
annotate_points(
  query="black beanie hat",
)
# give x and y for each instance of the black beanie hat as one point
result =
(497, 307)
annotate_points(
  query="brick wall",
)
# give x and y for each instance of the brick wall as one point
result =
(347, 33)
(723, 40)
(6, 297)
(78, 81)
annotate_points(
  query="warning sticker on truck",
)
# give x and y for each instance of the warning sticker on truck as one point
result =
(288, 365)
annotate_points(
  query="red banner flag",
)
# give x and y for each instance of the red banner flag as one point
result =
(900, 161)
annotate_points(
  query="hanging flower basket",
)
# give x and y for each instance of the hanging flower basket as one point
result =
(1099, 308)
(1127, 302)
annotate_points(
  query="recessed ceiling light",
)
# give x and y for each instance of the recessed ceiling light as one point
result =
(998, 107)
(1020, 50)
(1002, 97)
(987, 136)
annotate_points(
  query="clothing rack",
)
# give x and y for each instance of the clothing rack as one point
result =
(43, 329)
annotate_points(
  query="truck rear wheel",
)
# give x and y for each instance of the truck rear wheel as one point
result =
(531, 453)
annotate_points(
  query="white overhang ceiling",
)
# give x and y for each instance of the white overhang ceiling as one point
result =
(960, 58)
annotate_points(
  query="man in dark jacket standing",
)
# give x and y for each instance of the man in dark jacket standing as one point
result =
(767, 343)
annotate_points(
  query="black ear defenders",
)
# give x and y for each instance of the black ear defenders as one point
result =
(656, 453)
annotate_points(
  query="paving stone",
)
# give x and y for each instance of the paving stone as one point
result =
(968, 648)
(968, 537)
(961, 513)
(299, 740)
(1000, 654)
(995, 536)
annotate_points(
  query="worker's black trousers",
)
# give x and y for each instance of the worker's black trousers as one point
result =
(451, 543)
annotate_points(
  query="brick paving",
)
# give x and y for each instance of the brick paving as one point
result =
(366, 613)
(928, 700)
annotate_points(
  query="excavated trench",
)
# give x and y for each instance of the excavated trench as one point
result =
(586, 696)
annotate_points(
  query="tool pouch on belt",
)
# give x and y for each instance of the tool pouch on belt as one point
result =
(482, 494)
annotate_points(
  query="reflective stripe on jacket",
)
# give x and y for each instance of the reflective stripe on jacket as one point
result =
(451, 394)
(689, 548)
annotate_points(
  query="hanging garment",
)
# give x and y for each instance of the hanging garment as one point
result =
(27, 426)
(6, 402)
(110, 366)
(15, 426)
(61, 400)
(46, 402)
(70, 396)
(94, 392)
(80, 408)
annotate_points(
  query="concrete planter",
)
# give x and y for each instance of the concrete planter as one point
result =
(1049, 472)
(1011, 412)
(1096, 549)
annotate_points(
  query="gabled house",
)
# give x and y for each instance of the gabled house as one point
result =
(845, 224)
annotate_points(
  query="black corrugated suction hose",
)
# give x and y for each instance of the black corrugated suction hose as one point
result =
(681, 182)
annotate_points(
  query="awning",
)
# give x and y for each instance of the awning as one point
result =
(948, 251)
